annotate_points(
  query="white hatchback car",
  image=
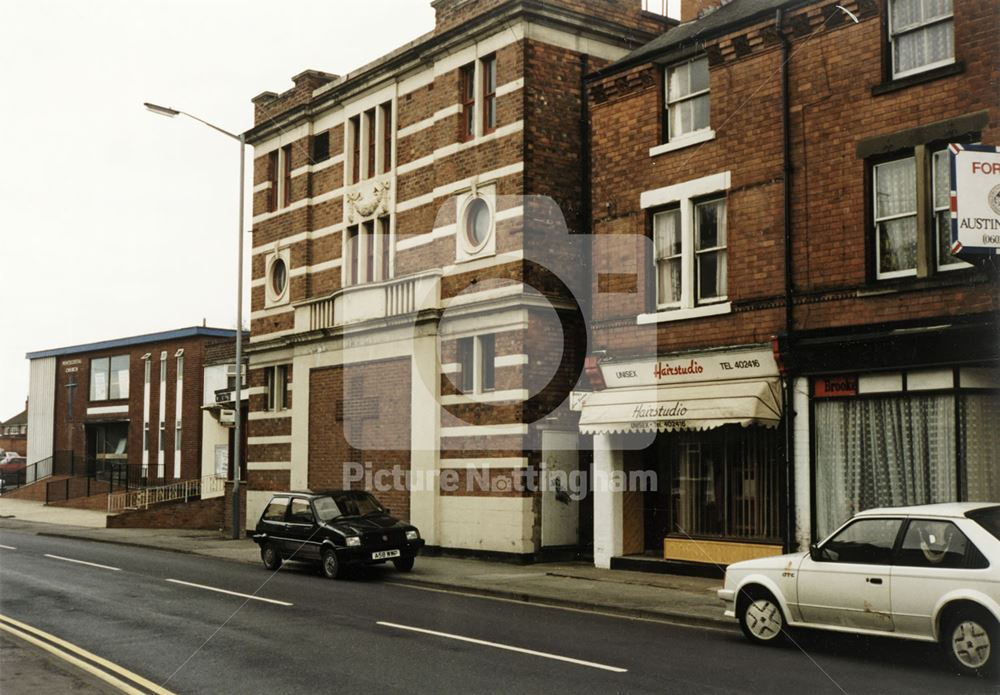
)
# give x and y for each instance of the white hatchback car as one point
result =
(929, 573)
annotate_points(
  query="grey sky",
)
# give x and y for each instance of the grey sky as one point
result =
(117, 222)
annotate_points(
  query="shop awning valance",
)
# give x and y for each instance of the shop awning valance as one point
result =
(700, 406)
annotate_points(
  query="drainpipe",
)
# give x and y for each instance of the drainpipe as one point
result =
(789, 317)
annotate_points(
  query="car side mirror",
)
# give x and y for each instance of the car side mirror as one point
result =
(815, 553)
(387, 511)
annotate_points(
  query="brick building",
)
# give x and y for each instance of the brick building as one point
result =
(782, 170)
(128, 406)
(14, 433)
(399, 317)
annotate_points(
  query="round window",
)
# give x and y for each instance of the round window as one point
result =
(477, 222)
(279, 276)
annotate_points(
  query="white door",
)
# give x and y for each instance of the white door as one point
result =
(849, 584)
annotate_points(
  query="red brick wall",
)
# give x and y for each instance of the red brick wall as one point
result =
(377, 397)
(70, 434)
(196, 514)
(834, 66)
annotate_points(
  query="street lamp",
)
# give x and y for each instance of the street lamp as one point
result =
(237, 397)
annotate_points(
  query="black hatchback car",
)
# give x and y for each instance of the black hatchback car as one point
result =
(336, 529)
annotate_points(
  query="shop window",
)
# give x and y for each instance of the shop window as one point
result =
(467, 100)
(921, 35)
(899, 229)
(686, 113)
(489, 70)
(277, 387)
(320, 147)
(691, 255)
(724, 483)
(904, 449)
(109, 378)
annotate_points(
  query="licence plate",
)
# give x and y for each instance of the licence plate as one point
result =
(385, 554)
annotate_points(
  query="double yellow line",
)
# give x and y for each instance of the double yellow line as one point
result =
(111, 673)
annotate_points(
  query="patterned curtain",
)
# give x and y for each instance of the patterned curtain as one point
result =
(916, 46)
(882, 452)
(981, 446)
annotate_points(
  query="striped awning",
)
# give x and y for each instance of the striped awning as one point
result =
(698, 406)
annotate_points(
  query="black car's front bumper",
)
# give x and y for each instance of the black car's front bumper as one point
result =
(363, 555)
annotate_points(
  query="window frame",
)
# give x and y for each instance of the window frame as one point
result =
(467, 102)
(372, 144)
(892, 35)
(320, 147)
(689, 253)
(928, 261)
(286, 176)
(696, 134)
(276, 388)
(488, 66)
(354, 128)
(387, 132)
(272, 177)
(110, 372)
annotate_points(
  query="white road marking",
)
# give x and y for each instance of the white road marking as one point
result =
(62, 649)
(8, 547)
(506, 647)
(83, 562)
(568, 609)
(231, 593)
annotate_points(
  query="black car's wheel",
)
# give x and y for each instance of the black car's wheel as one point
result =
(270, 556)
(403, 564)
(970, 638)
(760, 616)
(330, 564)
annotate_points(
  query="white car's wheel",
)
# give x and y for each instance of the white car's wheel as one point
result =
(969, 639)
(760, 617)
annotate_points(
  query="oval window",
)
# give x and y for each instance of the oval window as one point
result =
(279, 277)
(477, 222)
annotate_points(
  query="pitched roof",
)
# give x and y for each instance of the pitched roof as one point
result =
(718, 21)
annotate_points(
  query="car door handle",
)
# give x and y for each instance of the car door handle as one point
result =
(873, 580)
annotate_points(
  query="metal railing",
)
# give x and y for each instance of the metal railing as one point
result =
(182, 490)
(93, 476)
(14, 477)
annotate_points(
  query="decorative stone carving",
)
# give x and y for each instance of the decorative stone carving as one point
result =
(359, 208)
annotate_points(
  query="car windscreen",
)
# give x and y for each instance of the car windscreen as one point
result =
(358, 503)
(988, 518)
(327, 508)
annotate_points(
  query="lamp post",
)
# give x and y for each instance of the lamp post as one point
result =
(237, 396)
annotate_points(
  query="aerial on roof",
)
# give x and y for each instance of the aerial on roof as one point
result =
(191, 332)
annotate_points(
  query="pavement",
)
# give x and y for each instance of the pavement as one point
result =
(577, 585)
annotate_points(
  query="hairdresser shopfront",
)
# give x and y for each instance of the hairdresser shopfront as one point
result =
(709, 425)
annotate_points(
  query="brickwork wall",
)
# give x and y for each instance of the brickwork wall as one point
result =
(70, 432)
(195, 514)
(832, 108)
(361, 414)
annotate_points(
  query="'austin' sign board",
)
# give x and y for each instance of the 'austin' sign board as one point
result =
(975, 199)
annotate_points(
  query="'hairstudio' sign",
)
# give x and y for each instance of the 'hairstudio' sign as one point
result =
(709, 366)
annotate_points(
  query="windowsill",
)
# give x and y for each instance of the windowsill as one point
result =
(894, 85)
(684, 314)
(682, 142)
(941, 278)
